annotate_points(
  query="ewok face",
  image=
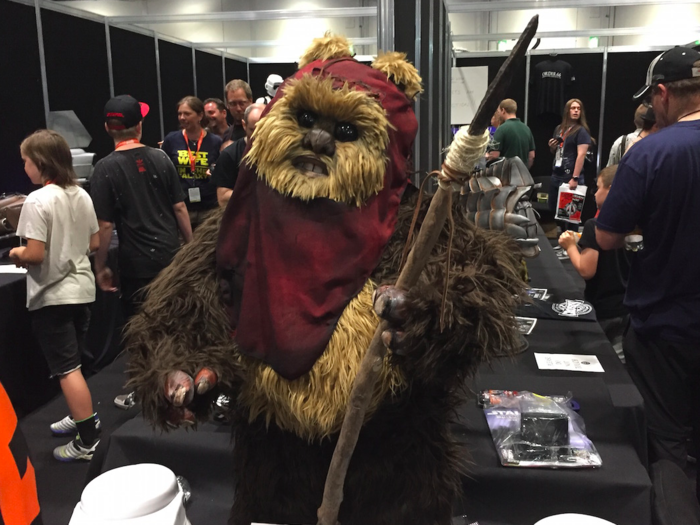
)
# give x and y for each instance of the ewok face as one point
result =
(318, 141)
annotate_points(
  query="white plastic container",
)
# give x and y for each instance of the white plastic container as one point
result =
(144, 494)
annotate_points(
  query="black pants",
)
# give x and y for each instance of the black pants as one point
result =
(60, 331)
(668, 377)
(132, 290)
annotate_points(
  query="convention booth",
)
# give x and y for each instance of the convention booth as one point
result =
(72, 60)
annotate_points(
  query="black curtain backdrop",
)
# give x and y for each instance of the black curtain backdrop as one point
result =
(260, 72)
(626, 74)
(210, 80)
(21, 104)
(235, 69)
(77, 74)
(176, 78)
(588, 71)
(134, 68)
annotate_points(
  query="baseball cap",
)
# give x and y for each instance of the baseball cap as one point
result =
(678, 63)
(125, 109)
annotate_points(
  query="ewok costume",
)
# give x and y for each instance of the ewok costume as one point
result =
(276, 300)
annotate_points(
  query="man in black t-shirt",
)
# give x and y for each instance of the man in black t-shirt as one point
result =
(136, 188)
(226, 169)
(552, 80)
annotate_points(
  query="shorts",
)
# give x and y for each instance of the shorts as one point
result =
(60, 331)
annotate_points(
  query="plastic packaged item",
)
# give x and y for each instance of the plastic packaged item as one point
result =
(530, 430)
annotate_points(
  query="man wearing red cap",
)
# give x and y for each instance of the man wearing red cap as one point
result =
(137, 189)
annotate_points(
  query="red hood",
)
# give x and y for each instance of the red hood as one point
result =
(292, 267)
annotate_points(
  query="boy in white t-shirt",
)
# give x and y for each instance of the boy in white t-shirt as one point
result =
(61, 228)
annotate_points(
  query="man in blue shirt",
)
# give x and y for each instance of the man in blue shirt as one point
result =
(657, 188)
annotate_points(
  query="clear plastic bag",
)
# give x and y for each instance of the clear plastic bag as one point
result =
(530, 430)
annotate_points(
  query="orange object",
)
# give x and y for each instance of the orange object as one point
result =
(19, 504)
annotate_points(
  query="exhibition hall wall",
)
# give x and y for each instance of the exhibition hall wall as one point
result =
(78, 63)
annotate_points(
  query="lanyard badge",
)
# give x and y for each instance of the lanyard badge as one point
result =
(193, 157)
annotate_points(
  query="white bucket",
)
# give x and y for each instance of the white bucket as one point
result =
(145, 494)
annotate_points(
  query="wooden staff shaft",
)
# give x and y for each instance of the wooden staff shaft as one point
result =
(373, 362)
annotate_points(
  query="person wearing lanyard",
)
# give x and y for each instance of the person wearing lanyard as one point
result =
(569, 146)
(194, 152)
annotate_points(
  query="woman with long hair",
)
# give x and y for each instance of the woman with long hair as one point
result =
(60, 226)
(194, 153)
(569, 144)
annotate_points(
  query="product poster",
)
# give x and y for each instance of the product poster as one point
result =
(538, 293)
(570, 203)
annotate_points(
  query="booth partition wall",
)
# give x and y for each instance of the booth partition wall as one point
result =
(77, 60)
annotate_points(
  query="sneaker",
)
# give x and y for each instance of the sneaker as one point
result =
(75, 451)
(125, 401)
(67, 426)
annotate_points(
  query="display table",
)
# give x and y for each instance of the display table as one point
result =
(620, 491)
(23, 369)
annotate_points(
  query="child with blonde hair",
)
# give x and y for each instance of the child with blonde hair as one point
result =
(59, 224)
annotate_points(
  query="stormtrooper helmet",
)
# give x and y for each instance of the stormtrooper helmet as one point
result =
(272, 83)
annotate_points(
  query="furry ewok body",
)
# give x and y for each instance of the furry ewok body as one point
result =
(406, 466)
(276, 301)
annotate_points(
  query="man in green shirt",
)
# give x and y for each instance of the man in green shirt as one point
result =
(512, 138)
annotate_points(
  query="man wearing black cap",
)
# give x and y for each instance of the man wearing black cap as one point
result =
(137, 189)
(657, 188)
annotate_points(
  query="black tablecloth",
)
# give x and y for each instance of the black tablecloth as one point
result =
(23, 369)
(620, 491)
(612, 408)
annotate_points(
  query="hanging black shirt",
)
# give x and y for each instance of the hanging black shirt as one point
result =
(551, 80)
(136, 189)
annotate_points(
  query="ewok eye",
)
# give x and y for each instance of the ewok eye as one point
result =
(306, 118)
(345, 132)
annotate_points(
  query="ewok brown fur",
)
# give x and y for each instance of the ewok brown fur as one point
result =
(406, 465)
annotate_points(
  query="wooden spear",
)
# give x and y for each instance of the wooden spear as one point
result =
(433, 224)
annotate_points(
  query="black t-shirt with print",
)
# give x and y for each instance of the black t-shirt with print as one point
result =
(136, 189)
(605, 290)
(551, 80)
(175, 147)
